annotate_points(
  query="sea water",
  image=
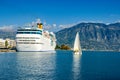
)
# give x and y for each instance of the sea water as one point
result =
(60, 65)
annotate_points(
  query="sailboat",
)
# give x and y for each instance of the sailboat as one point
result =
(77, 47)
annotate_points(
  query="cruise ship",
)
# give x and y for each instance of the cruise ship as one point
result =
(34, 38)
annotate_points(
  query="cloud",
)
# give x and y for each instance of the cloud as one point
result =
(118, 21)
(8, 28)
(38, 20)
(28, 24)
(49, 27)
(66, 25)
(33, 23)
(107, 23)
(90, 21)
(54, 25)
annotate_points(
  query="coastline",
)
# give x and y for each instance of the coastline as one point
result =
(7, 50)
(13, 50)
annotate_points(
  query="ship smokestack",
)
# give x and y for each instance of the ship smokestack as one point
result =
(40, 25)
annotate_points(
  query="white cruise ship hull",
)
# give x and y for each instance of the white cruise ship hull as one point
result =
(34, 42)
(33, 48)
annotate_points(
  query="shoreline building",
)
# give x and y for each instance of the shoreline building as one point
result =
(7, 43)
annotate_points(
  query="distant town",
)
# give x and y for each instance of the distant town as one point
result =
(7, 45)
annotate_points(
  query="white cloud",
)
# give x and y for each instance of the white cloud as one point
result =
(8, 28)
(118, 21)
(54, 25)
(107, 23)
(90, 21)
(28, 24)
(47, 27)
(38, 20)
(33, 23)
(66, 25)
(44, 23)
(50, 27)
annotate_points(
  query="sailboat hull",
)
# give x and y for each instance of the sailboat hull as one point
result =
(77, 53)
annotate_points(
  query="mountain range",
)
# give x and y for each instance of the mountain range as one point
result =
(93, 36)
(7, 34)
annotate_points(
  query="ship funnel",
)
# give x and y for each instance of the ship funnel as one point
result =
(40, 25)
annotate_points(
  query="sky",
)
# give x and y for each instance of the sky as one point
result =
(58, 14)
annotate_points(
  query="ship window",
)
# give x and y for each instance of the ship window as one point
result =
(27, 38)
(29, 43)
(30, 33)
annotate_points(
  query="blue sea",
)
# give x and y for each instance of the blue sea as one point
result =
(60, 65)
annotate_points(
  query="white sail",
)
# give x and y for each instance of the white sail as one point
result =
(77, 47)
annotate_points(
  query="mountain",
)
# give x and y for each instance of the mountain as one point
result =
(7, 34)
(93, 36)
